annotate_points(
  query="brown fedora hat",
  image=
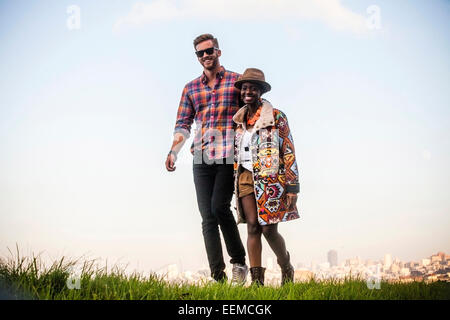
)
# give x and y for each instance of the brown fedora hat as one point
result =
(253, 75)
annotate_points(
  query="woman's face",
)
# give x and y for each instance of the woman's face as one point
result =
(250, 93)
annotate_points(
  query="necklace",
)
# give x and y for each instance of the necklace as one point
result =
(254, 118)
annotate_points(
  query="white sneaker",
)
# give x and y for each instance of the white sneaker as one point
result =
(239, 272)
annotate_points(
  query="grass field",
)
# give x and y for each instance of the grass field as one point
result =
(28, 278)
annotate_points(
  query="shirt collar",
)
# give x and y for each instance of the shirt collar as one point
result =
(220, 74)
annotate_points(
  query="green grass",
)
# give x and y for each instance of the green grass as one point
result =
(28, 278)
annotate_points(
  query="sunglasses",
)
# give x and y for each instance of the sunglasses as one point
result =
(208, 51)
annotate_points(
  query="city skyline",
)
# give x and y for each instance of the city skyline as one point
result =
(434, 268)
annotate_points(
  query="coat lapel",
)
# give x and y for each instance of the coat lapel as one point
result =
(265, 120)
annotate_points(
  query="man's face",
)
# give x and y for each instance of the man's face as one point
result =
(250, 92)
(208, 61)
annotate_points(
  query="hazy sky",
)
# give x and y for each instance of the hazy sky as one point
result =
(87, 115)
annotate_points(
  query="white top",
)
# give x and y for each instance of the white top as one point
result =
(245, 155)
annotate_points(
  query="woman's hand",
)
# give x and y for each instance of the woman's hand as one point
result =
(291, 200)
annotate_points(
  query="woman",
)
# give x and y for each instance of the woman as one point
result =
(266, 176)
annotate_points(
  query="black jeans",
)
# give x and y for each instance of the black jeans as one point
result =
(214, 186)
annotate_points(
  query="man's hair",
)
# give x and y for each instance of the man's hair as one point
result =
(205, 37)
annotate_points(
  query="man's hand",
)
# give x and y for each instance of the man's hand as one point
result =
(170, 162)
(291, 200)
(178, 142)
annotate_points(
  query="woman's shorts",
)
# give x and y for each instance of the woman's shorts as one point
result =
(245, 183)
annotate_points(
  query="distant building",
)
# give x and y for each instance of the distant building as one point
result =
(395, 268)
(387, 261)
(416, 273)
(352, 262)
(435, 258)
(405, 271)
(332, 258)
(431, 278)
(425, 262)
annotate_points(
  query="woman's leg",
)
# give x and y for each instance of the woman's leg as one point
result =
(276, 242)
(254, 245)
(278, 246)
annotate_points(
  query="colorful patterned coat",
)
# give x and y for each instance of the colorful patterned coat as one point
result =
(275, 171)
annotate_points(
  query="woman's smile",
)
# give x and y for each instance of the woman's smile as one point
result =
(249, 98)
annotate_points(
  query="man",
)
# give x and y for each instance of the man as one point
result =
(212, 100)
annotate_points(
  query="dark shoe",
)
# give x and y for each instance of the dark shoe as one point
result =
(287, 271)
(219, 276)
(287, 275)
(257, 275)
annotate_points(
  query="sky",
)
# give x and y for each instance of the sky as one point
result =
(89, 95)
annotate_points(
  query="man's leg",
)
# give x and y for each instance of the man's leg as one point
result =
(221, 200)
(204, 179)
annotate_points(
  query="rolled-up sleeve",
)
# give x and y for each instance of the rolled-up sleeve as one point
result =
(185, 115)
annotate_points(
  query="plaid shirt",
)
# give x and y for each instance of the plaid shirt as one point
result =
(212, 109)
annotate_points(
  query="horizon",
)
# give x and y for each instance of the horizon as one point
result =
(130, 268)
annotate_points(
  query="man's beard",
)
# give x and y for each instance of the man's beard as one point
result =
(213, 65)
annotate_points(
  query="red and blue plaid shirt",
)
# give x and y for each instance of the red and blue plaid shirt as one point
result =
(212, 109)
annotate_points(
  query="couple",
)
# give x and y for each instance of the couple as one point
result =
(248, 151)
